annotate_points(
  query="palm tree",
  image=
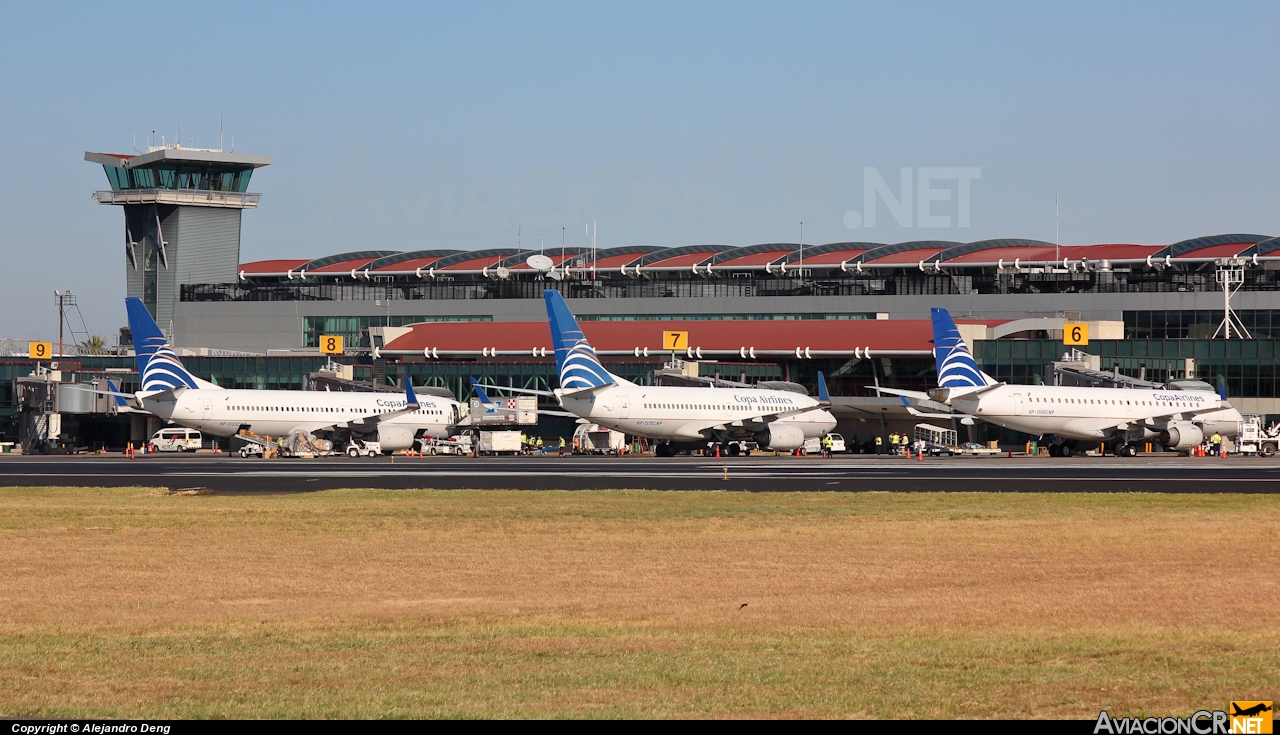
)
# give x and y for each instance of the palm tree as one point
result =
(95, 345)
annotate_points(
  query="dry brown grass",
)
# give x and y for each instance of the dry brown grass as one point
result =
(412, 603)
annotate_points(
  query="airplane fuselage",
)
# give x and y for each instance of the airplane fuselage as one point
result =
(224, 412)
(683, 414)
(1093, 413)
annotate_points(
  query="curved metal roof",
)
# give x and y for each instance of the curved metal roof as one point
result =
(1267, 247)
(469, 255)
(727, 257)
(817, 251)
(657, 258)
(998, 244)
(405, 257)
(346, 258)
(884, 251)
(1214, 246)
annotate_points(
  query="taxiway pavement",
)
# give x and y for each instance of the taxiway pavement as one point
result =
(233, 475)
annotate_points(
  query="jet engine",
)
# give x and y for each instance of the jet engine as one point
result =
(1181, 436)
(393, 437)
(781, 436)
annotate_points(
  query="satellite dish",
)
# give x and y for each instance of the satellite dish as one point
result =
(540, 262)
(503, 272)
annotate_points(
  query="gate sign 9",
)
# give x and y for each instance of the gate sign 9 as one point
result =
(1075, 334)
(40, 350)
(331, 344)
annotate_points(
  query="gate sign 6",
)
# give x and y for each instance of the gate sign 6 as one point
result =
(1075, 334)
(40, 350)
(331, 344)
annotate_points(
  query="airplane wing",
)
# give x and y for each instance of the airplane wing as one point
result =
(493, 406)
(367, 423)
(529, 391)
(917, 412)
(895, 392)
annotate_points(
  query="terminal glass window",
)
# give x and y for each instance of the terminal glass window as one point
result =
(180, 176)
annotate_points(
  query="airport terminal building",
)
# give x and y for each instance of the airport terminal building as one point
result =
(1205, 307)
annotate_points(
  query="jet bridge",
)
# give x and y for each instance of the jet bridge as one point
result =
(1080, 369)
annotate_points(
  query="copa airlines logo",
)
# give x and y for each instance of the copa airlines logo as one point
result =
(163, 370)
(581, 368)
(958, 370)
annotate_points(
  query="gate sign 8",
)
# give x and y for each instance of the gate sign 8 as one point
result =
(1075, 334)
(40, 350)
(331, 344)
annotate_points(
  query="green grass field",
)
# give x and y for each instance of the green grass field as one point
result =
(367, 603)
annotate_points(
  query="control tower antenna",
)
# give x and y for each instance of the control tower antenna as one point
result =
(219, 131)
(1056, 247)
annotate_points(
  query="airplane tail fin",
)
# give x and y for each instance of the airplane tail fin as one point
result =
(575, 360)
(158, 366)
(956, 366)
(824, 398)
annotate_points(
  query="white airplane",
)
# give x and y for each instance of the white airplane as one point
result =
(677, 417)
(1120, 417)
(172, 393)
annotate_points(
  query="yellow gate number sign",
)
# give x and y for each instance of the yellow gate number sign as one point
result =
(40, 350)
(675, 340)
(331, 344)
(1075, 334)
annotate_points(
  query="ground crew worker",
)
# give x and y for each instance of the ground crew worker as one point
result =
(1217, 443)
(826, 446)
(562, 446)
(879, 444)
(524, 443)
(539, 445)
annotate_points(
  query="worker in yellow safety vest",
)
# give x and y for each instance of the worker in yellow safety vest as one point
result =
(826, 446)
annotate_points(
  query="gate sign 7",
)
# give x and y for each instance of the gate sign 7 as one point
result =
(675, 340)
(40, 350)
(331, 344)
(1075, 334)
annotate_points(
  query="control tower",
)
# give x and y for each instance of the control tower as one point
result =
(182, 211)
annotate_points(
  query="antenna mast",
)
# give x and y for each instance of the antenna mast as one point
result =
(1057, 251)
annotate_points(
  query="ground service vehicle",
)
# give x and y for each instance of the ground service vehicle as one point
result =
(500, 442)
(459, 445)
(359, 448)
(597, 439)
(1254, 438)
(176, 439)
(935, 440)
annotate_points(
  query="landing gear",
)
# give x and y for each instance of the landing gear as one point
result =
(1127, 450)
(733, 449)
(664, 450)
(1055, 450)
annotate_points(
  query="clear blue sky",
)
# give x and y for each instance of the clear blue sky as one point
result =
(410, 126)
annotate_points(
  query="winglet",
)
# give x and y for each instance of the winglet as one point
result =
(484, 397)
(409, 395)
(111, 386)
(823, 396)
(904, 402)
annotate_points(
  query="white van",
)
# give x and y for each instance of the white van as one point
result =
(176, 439)
(814, 446)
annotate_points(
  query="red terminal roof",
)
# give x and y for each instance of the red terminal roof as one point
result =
(343, 266)
(907, 256)
(818, 335)
(835, 257)
(473, 264)
(408, 266)
(263, 267)
(767, 256)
